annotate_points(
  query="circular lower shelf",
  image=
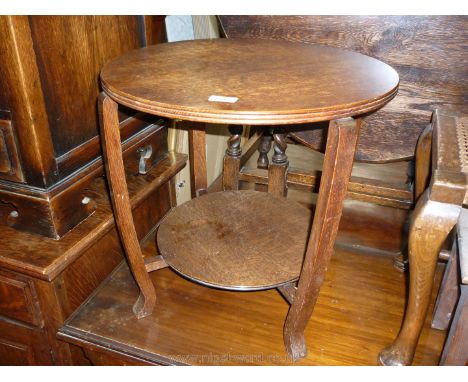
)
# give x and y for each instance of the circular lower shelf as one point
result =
(236, 240)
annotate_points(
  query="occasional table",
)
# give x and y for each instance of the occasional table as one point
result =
(245, 240)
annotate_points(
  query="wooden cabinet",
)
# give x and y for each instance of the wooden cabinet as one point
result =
(57, 235)
(42, 280)
(49, 131)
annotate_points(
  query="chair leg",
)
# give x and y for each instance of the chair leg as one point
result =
(338, 163)
(108, 112)
(432, 222)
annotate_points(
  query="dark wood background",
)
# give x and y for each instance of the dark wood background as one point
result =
(428, 52)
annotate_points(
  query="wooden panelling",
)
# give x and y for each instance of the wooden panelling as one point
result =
(77, 56)
(23, 98)
(5, 164)
(428, 53)
(22, 345)
(49, 139)
(155, 32)
(18, 299)
(15, 354)
(10, 166)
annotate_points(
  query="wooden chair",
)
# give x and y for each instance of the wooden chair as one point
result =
(437, 211)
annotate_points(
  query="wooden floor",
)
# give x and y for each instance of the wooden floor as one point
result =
(359, 311)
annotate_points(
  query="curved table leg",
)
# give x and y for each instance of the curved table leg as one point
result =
(431, 223)
(108, 111)
(338, 163)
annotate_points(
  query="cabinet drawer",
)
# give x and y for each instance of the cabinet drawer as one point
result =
(18, 299)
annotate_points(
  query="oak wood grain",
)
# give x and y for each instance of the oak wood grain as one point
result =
(121, 204)
(213, 239)
(338, 162)
(428, 52)
(334, 83)
(197, 155)
(49, 76)
(437, 211)
(196, 239)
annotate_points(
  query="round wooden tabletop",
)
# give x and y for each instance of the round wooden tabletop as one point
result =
(246, 81)
(237, 240)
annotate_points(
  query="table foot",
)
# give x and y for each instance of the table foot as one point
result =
(295, 344)
(143, 306)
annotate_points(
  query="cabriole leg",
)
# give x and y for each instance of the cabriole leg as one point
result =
(108, 111)
(431, 223)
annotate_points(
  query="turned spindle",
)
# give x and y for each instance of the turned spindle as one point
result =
(279, 165)
(263, 150)
(232, 159)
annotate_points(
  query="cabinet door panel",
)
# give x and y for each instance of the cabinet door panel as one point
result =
(15, 354)
(18, 300)
(20, 345)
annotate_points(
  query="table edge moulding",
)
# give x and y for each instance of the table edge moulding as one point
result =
(227, 113)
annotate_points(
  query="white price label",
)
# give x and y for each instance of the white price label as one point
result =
(217, 98)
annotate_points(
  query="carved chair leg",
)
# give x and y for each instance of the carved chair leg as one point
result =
(263, 150)
(431, 223)
(108, 111)
(232, 159)
(338, 163)
(277, 170)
